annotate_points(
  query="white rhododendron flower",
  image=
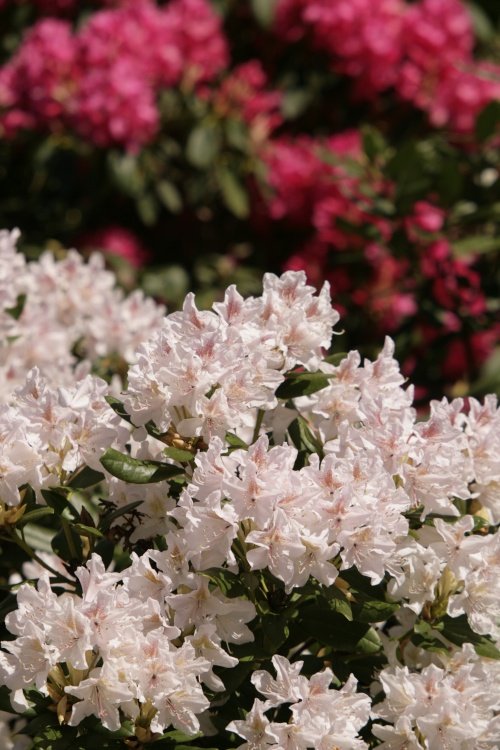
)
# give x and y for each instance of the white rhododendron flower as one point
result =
(64, 305)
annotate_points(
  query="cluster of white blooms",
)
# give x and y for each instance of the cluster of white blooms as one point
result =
(455, 705)
(128, 643)
(353, 502)
(446, 558)
(64, 305)
(48, 433)
(271, 484)
(293, 522)
(366, 414)
(482, 428)
(321, 717)
(205, 372)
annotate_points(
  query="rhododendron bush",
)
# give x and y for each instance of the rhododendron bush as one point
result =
(217, 534)
(205, 142)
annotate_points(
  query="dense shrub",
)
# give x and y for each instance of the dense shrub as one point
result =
(234, 540)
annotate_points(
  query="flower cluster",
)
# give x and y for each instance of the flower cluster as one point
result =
(423, 50)
(271, 503)
(118, 642)
(438, 72)
(59, 314)
(321, 717)
(430, 704)
(47, 434)
(203, 370)
(363, 41)
(245, 95)
(87, 79)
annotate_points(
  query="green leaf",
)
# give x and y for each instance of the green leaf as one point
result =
(408, 169)
(422, 627)
(85, 477)
(39, 723)
(483, 27)
(232, 678)
(170, 283)
(126, 173)
(94, 739)
(229, 583)
(169, 196)
(475, 246)
(302, 384)
(237, 134)
(68, 544)
(338, 602)
(136, 471)
(57, 738)
(87, 530)
(178, 454)
(38, 537)
(373, 610)
(424, 636)
(8, 604)
(362, 584)
(235, 442)
(147, 208)
(91, 722)
(303, 438)
(16, 311)
(331, 629)
(450, 181)
(58, 500)
(486, 648)
(35, 515)
(119, 408)
(264, 11)
(480, 523)
(488, 121)
(295, 101)
(203, 145)
(373, 142)
(458, 631)
(175, 735)
(233, 192)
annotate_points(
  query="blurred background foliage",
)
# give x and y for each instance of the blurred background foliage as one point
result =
(290, 152)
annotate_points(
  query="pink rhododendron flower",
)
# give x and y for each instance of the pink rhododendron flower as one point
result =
(297, 177)
(424, 50)
(462, 93)
(244, 94)
(118, 241)
(103, 79)
(455, 285)
(426, 218)
(468, 352)
(37, 84)
(203, 48)
(362, 39)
